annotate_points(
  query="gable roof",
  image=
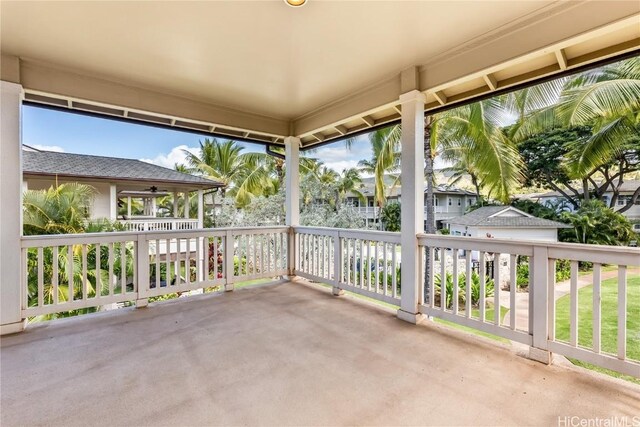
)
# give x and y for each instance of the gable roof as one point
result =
(496, 216)
(48, 163)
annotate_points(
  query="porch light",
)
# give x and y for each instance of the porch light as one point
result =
(295, 3)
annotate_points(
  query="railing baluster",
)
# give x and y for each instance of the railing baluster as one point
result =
(483, 284)
(199, 245)
(176, 264)
(70, 271)
(394, 268)
(123, 267)
(85, 282)
(454, 300)
(513, 285)
(377, 268)
(573, 311)
(597, 307)
(157, 262)
(468, 279)
(98, 269)
(443, 278)
(40, 277)
(551, 298)
(349, 266)
(111, 262)
(54, 274)
(384, 262)
(167, 263)
(622, 312)
(369, 265)
(496, 288)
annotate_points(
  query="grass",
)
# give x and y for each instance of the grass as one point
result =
(609, 321)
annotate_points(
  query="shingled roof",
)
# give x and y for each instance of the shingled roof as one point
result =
(50, 163)
(503, 217)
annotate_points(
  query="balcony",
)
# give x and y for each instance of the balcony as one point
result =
(159, 224)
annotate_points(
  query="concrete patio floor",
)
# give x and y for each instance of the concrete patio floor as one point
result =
(285, 354)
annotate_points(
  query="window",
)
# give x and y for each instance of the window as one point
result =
(459, 202)
(450, 202)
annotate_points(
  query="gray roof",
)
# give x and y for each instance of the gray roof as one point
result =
(489, 216)
(85, 166)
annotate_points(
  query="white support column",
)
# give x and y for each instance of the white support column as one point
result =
(200, 209)
(154, 207)
(10, 208)
(175, 204)
(412, 178)
(186, 204)
(292, 178)
(129, 207)
(113, 202)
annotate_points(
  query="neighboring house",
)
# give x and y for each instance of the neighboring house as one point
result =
(448, 202)
(119, 182)
(504, 222)
(627, 189)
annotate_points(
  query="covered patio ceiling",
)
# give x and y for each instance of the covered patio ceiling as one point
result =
(261, 71)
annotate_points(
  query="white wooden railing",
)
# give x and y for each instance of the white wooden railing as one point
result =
(70, 272)
(160, 224)
(363, 262)
(532, 317)
(369, 211)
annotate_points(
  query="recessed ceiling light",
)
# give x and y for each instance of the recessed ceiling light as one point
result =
(295, 3)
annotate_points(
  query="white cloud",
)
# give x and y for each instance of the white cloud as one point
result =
(176, 155)
(54, 148)
(338, 157)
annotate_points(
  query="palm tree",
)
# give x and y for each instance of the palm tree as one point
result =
(61, 209)
(385, 145)
(607, 99)
(348, 182)
(243, 174)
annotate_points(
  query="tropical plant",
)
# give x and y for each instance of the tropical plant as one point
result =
(462, 286)
(61, 209)
(390, 216)
(243, 174)
(385, 144)
(594, 223)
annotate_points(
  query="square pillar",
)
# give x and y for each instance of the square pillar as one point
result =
(186, 204)
(200, 209)
(175, 204)
(11, 320)
(412, 214)
(292, 204)
(113, 202)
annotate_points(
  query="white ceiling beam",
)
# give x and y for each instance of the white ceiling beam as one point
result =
(246, 134)
(341, 129)
(319, 137)
(397, 108)
(440, 97)
(173, 122)
(562, 59)
(211, 129)
(491, 81)
(368, 120)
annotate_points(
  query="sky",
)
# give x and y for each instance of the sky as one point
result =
(52, 130)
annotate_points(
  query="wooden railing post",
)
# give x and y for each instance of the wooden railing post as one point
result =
(539, 292)
(142, 256)
(228, 261)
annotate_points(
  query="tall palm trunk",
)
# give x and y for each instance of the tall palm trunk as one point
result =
(429, 211)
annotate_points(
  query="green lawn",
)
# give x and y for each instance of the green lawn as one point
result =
(609, 337)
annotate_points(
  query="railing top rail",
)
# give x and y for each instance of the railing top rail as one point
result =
(157, 219)
(621, 255)
(386, 236)
(122, 236)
